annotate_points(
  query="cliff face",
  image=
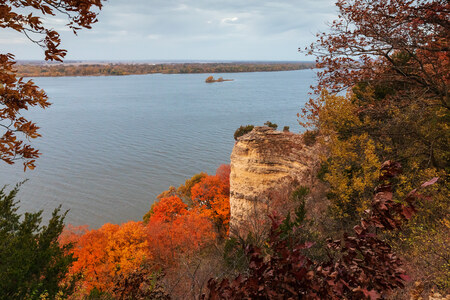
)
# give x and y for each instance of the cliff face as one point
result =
(265, 164)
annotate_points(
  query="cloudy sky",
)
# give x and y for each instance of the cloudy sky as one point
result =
(190, 30)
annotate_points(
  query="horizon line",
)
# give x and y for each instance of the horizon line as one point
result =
(159, 61)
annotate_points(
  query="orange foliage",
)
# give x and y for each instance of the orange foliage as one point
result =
(172, 191)
(127, 246)
(184, 190)
(91, 263)
(186, 234)
(168, 209)
(71, 234)
(207, 190)
(174, 230)
(212, 196)
(209, 194)
(102, 254)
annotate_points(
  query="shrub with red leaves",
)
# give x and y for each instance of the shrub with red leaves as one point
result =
(362, 267)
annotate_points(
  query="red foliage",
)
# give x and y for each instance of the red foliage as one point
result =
(168, 208)
(212, 196)
(223, 172)
(379, 31)
(206, 190)
(89, 251)
(365, 266)
(168, 241)
(399, 44)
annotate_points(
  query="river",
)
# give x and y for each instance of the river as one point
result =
(111, 144)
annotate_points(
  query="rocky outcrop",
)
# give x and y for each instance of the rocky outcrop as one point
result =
(266, 163)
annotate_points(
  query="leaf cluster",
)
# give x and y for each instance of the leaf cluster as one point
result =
(16, 94)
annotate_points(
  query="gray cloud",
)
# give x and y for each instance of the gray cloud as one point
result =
(192, 29)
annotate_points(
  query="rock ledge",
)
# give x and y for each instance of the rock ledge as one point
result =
(263, 161)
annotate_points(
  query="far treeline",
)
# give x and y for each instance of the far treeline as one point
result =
(114, 69)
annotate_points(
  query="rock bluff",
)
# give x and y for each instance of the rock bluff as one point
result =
(265, 161)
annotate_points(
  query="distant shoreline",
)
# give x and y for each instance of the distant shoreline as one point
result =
(123, 69)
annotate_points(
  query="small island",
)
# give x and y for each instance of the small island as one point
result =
(211, 79)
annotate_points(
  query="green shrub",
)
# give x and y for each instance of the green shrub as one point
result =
(32, 262)
(234, 254)
(243, 130)
(96, 294)
(272, 125)
(310, 137)
(299, 194)
(286, 128)
(323, 170)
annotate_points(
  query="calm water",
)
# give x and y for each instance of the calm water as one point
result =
(111, 144)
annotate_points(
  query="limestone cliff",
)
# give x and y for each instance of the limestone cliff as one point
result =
(265, 162)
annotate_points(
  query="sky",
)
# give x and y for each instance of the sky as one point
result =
(132, 30)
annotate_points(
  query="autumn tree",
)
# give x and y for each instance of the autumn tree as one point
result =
(360, 266)
(207, 194)
(223, 172)
(90, 262)
(392, 58)
(168, 209)
(17, 94)
(105, 253)
(212, 196)
(204, 192)
(184, 190)
(109, 257)
(387, 41)
(180, 237)
(395, 57)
